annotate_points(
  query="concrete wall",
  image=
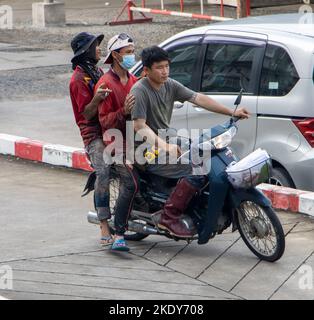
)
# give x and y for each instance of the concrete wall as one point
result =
(48, 14)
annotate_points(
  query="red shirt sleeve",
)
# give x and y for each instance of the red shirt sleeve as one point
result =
(109, 117)
(82, 95)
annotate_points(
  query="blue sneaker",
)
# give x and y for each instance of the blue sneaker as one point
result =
(119, 245)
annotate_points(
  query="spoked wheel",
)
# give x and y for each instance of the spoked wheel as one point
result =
(261, 231)
(114, 194)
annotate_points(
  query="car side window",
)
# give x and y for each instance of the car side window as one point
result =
(183, 53)
(228, 67)
(182, 63)
(279, 74)
(138, 72)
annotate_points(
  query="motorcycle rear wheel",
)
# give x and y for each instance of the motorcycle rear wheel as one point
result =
(261, 230)
(114, 193)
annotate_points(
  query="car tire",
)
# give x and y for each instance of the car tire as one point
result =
(280, 177)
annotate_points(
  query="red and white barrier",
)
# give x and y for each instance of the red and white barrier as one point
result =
(54, 154)
(289, 199)
(59, 155)
(179, 14)
(130, 7)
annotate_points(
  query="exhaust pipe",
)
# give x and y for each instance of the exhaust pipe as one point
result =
(132, 225)
(92, 217)
(141, 228)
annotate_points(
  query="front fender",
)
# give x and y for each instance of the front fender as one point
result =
(236, 196)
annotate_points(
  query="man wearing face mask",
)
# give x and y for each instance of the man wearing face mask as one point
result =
(87, 53)
(113, 112)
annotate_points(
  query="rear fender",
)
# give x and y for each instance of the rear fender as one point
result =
(90, 184)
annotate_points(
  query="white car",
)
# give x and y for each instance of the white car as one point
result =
(272, 59)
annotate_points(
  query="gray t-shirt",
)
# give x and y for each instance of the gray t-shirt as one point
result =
(155, 106)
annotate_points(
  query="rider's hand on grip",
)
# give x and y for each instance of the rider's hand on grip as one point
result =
(242, 113)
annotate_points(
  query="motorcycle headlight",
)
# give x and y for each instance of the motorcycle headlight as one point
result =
(220, 141)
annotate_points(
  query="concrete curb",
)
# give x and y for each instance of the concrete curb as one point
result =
(288, 199)
(55, 154)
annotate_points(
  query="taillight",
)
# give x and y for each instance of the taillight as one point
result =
(306, 127)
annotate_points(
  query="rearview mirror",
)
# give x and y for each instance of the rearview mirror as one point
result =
(239, 98)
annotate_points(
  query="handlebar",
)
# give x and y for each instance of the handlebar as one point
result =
(235, 119)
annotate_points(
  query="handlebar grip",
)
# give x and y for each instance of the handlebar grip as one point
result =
(235, 119)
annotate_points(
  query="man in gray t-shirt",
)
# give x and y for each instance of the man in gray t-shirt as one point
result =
(154, 99)
(155, 106)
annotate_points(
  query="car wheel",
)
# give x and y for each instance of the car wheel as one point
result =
(280, 177)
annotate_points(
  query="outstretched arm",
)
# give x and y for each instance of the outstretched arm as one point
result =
(212, 105)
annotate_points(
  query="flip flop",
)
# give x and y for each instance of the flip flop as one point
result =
(108, 240)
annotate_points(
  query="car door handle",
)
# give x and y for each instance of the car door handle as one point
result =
(178, 105)
(197, 108)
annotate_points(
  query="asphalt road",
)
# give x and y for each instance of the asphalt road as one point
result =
(54, 252)
(48, 120)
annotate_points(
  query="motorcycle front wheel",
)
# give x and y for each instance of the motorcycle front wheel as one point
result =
(261, 230)
(114, 193)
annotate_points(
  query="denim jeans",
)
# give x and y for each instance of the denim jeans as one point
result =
(127, 191)
(177, 171)
(95, 151)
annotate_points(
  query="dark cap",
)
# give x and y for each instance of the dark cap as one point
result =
(82, 42)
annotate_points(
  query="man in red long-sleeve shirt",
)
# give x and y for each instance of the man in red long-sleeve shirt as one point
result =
(87, 53)
(113, 112)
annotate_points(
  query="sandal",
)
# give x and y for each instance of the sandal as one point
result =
(106, 240)
(120, 245)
